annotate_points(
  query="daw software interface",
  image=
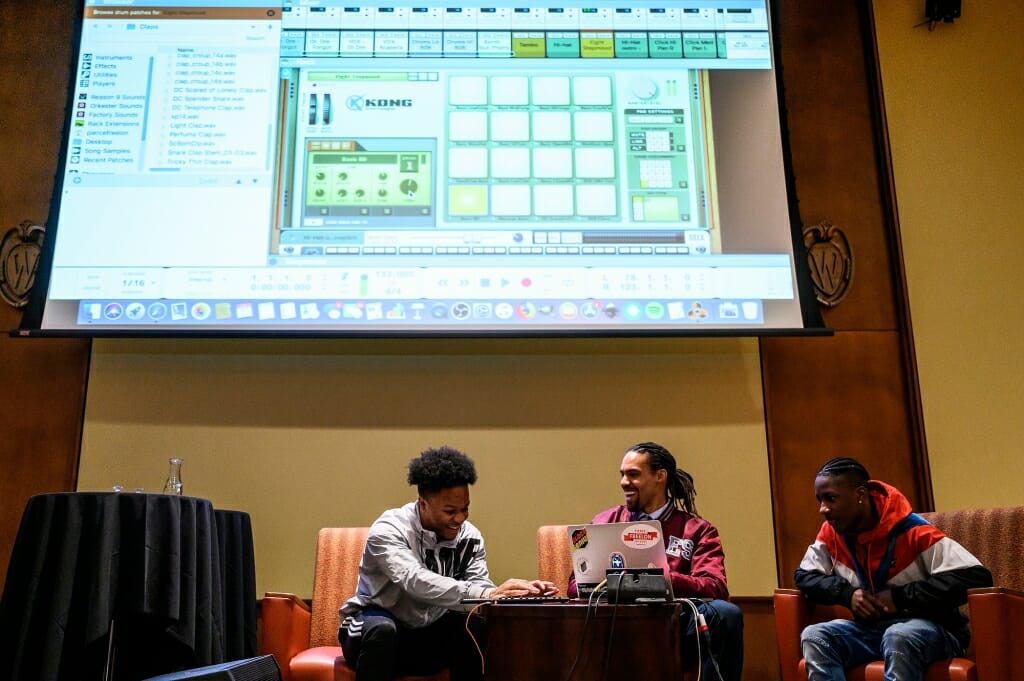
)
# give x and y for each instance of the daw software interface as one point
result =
(376, 164)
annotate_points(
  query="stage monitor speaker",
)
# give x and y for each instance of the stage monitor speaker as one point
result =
(263, 668)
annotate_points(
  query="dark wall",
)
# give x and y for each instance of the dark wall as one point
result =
(42, 380)
(855, 393)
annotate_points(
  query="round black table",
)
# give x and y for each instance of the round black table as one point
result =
(168, 580)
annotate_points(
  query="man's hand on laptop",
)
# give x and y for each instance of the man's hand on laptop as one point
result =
(523, 587)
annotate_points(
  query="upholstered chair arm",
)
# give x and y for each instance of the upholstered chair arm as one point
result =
(553, 563)
(792, 613)
(285, 628)
(997, 620)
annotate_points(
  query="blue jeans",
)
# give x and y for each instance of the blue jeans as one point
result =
(907, 646)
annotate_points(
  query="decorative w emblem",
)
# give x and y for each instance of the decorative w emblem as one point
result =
(830, 261)
(19, 258)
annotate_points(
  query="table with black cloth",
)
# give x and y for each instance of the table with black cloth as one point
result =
(238, 577)
(167, 578)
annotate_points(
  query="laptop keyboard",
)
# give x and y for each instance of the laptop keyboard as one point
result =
(517, 600)
(532, 599)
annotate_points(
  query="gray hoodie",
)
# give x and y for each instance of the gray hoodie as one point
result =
(408, 572)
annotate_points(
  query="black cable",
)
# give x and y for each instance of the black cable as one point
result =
(611, 627)
(591, 605)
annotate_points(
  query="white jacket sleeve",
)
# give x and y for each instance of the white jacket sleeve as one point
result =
(393, 555)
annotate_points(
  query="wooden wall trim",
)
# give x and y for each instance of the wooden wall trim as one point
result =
(856, 393)
(887, 189)
(41, 426)
(760, 649)
(44, 380)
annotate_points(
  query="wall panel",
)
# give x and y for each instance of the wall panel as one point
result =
(43, 381)
(855, 394)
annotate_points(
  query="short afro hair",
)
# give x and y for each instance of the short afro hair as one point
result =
(439, 468)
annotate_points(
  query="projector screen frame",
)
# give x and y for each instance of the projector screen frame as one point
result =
(809, 310)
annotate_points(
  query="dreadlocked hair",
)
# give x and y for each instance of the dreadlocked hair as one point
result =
(681, 491)
(845, 466)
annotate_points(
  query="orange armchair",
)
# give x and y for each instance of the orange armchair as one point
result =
(304, 639)
(553, 562)
(994, 536)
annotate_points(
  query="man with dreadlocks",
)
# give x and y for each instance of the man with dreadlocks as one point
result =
(658, 490)
(902, 578)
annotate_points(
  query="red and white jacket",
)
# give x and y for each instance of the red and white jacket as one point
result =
(927, 573)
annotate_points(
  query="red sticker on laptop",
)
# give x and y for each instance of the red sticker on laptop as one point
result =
(640, 536)
(580, 538)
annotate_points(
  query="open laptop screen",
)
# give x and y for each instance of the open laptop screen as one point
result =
(595, 548)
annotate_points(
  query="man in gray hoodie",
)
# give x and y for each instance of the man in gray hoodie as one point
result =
(419, 563)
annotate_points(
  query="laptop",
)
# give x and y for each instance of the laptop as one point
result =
(596, 548)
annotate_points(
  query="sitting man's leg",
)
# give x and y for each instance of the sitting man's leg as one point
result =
(370, 642)
(908, 647)
(445, 643)
(830, 648)
(725, 624)
(378, 647)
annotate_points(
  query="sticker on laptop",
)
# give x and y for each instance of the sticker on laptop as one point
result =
(580, 539)
(640, 536)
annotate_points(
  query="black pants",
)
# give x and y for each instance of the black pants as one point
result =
(378, 647)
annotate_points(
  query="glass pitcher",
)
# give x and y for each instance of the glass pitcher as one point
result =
(174, 484)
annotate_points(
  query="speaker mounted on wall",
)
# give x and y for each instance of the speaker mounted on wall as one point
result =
(946, 11)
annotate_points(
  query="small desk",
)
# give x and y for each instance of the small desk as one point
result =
(540, 642)
(169, 572)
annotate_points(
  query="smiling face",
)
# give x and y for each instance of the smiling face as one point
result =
(844, 505)
(444, 511)
(644, 488)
